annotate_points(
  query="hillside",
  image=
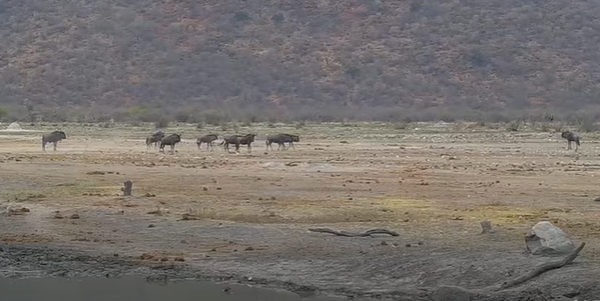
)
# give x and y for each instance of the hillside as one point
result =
(297, 59)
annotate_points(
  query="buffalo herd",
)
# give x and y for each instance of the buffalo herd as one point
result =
(160, 140)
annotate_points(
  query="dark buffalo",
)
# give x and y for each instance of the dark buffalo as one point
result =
(53, 137)
(170, 140)
(208, 139)
(231, 140)
(281, 139)
(570, 136)
(239, 140)
(154, 138)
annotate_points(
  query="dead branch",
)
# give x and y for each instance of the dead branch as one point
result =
(543, 268)
(354, 234)
(128, 185)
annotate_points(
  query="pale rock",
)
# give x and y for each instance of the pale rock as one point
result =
(546, 239)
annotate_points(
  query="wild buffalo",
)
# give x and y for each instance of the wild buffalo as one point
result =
(570, 136)
(208, 139)
(238, 140)
(281, 139)
(53, 137)
(154, 138)
(170, 140)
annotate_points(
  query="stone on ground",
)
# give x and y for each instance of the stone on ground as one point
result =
(546, 239)
(14, 126)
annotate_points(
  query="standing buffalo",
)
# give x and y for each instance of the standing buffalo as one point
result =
(53, 137)
(170, 140)
(154, 138)
(570, 136)
(281, 139)
(239, 140)
(208, 139)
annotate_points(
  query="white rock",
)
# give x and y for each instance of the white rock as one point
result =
(545, 238)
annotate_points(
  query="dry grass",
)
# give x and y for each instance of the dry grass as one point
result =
(451, 174)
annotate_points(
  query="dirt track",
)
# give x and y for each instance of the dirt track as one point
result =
(247, 215)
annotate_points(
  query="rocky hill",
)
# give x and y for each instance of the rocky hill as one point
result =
(321, 59)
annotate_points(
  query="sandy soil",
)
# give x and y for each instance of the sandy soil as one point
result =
(246, 215)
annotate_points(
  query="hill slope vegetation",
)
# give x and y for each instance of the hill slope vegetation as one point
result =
(297, 59)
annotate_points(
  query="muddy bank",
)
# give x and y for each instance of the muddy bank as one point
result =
(138, 289)
(34, 261)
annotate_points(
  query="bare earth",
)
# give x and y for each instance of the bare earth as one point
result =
(246, 215)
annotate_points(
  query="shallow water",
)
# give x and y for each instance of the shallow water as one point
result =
(136, 289)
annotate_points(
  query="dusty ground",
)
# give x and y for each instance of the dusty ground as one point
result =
(197, 213)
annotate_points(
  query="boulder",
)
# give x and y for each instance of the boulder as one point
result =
(15, 126)
(546, 239)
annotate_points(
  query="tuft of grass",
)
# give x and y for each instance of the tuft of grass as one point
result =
(25, 197)
(495, 203)
(400, 126)
(514, 126)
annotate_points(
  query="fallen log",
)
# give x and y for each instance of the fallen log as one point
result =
(354, 234)
(543, 268)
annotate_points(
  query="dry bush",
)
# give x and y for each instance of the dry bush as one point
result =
(514, 126)
(587, 124)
